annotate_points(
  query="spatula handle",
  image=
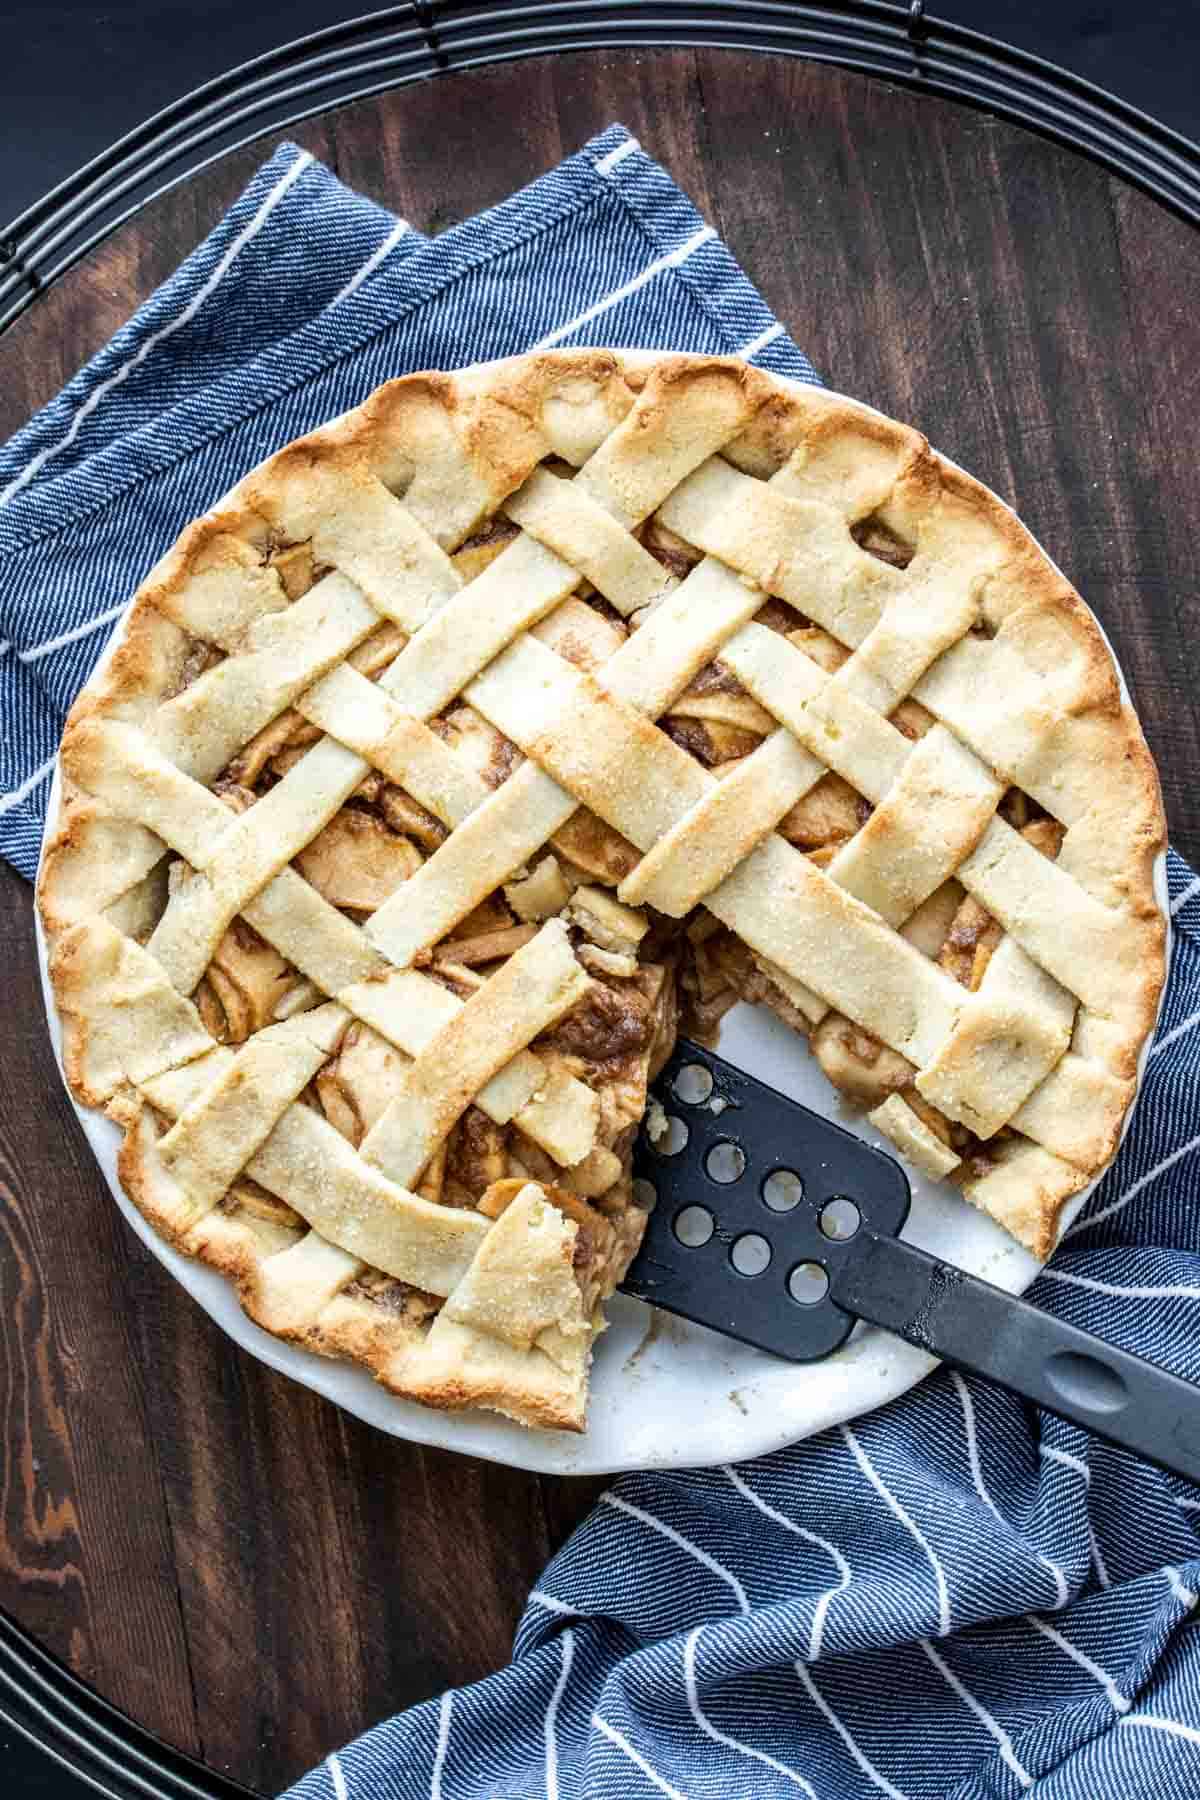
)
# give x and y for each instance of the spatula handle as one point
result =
(979, 1327)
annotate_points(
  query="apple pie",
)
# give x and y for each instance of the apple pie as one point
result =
(481, 741)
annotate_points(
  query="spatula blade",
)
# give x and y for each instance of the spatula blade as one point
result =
(744, 1234)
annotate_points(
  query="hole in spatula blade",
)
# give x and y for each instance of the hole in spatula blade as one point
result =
(808, 1284)
(840, 1218)
(645, 1194)
(693, 1084)
(783, 1190)
(694, 1226)
(672, 1137)
(725, 1163)
(751, 1254)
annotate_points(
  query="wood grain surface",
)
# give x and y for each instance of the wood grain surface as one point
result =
(250, 1573)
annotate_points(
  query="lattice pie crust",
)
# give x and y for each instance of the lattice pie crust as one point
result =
(477, 733)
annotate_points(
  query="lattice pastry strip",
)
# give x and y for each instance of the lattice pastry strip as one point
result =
(343, 551)
(514, 1324)
(133, 1024)
(923, 829)
(217, 1134)
(722, 827)
(913, 1138)
(272, 659)
(586, 537)
(535, 987)
(361, 715)
(250, 851)
(557, 1111)
(1011, 1033)
(356, 526)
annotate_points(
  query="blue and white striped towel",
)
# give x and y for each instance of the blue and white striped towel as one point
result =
(955, 1597)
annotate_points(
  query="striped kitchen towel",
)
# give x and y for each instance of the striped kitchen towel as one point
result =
(956, 1596)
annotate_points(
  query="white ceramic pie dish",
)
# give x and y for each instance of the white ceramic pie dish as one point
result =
(665, 1393)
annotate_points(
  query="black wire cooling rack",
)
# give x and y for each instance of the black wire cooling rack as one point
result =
(42, 1701)
(39, 1698)
(426, 38)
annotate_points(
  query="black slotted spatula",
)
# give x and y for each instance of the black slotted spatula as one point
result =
(773, 1225)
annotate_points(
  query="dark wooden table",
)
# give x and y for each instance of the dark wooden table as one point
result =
(250, 1573)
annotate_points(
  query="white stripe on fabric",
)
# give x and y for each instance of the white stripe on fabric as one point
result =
(1061, 1590)
(17, 794)
(751, 350)
(1180, 1588)
(720, 1737)
(340, 1790)
(1185, 894)
(1067, 1460)
(1083, 1661)
(568, 1656)
(1173, 1290)
(623, 1744)
(910, 1525)
(551, 1604)
(986, 1719)
(1131, 1193)
(860, 1756)
(1181, 1030)
(677, 1537)
(439, 1754)
(73, 636)
(1176, 1727)
(972, 1437)
(373, 261)
(1094, 1548)
(248, 231)
(1188, 1505)
(671, 260)
(843, 1567)
(608, 163)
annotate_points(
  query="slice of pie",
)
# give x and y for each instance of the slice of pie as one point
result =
(480, 737)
